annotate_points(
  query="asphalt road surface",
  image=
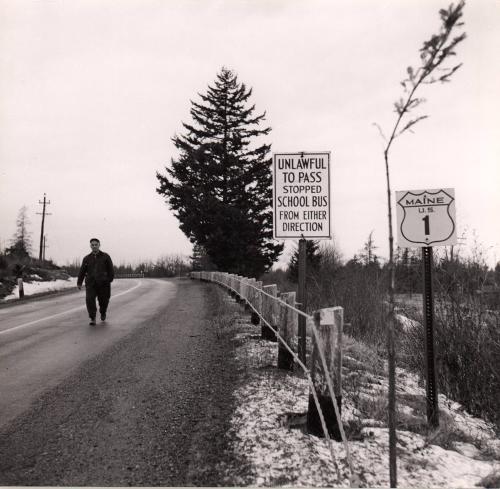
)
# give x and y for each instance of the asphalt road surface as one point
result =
(141, 399)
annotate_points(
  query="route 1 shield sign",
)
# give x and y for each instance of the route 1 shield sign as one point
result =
(426, 218)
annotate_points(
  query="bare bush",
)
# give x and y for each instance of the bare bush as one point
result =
(357, 287)
(467, 333)
(280, 278)
(467, 342)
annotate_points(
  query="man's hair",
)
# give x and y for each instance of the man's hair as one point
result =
(95, 239)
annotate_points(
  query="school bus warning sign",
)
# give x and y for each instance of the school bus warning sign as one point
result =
(301, 195)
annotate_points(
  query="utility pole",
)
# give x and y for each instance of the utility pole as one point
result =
(44, 246)
(43, 214)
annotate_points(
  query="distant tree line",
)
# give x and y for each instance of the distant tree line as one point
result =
(166, 266)
(452, 272)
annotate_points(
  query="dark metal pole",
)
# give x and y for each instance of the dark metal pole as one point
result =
(393, 469)
(430, 365)
(301, 299)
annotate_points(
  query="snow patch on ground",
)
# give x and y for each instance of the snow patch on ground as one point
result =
(36, 287)
(406, 323)
(285, 456)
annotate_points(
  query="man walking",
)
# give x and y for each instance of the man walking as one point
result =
(97, 270)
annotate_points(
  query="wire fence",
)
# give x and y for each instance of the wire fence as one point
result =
(279, 315)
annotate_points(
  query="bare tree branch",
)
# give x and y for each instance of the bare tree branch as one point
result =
(380, 131)
(433, 54)
(410, 124)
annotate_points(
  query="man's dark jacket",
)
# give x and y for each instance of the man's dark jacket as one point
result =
(97, 268)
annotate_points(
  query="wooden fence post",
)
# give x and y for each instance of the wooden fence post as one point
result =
(329, 325)
(255, 319)
(233, 285)
(244, 291)
(268, 313)
(239, 288)
(20, 286)
(286, 330)
(250, 293)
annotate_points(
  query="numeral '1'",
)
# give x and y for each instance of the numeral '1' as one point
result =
(426, 225)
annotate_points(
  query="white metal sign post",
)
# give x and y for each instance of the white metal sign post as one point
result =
(301, 210)
(426, 218)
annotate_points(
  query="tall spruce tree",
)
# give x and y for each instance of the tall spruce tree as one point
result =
(21, 241)
(220, 186)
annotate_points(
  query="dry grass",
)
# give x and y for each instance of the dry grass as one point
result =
(467, 344)
(225, 313)
(365, 389)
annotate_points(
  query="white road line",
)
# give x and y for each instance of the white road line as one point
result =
(65, 312)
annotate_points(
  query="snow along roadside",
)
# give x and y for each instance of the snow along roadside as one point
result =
(32, 288)
(279, 455)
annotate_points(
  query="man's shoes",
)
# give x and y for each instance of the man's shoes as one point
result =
(103, 316)
(92, 322)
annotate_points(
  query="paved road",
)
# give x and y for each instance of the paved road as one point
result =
(144, 399)
(43, 341)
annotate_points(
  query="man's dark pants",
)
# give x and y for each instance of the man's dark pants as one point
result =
(101, 292)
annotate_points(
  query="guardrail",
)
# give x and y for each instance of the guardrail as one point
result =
(129, 275)
(278, 315)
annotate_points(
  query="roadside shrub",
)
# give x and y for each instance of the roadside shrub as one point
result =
(492, 480)
(467, 333)
(358, 288)
(468, 342)
(280, 278)
(467, 345)
(6, 287)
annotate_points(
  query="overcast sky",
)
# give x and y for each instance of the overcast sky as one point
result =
(91, 92)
